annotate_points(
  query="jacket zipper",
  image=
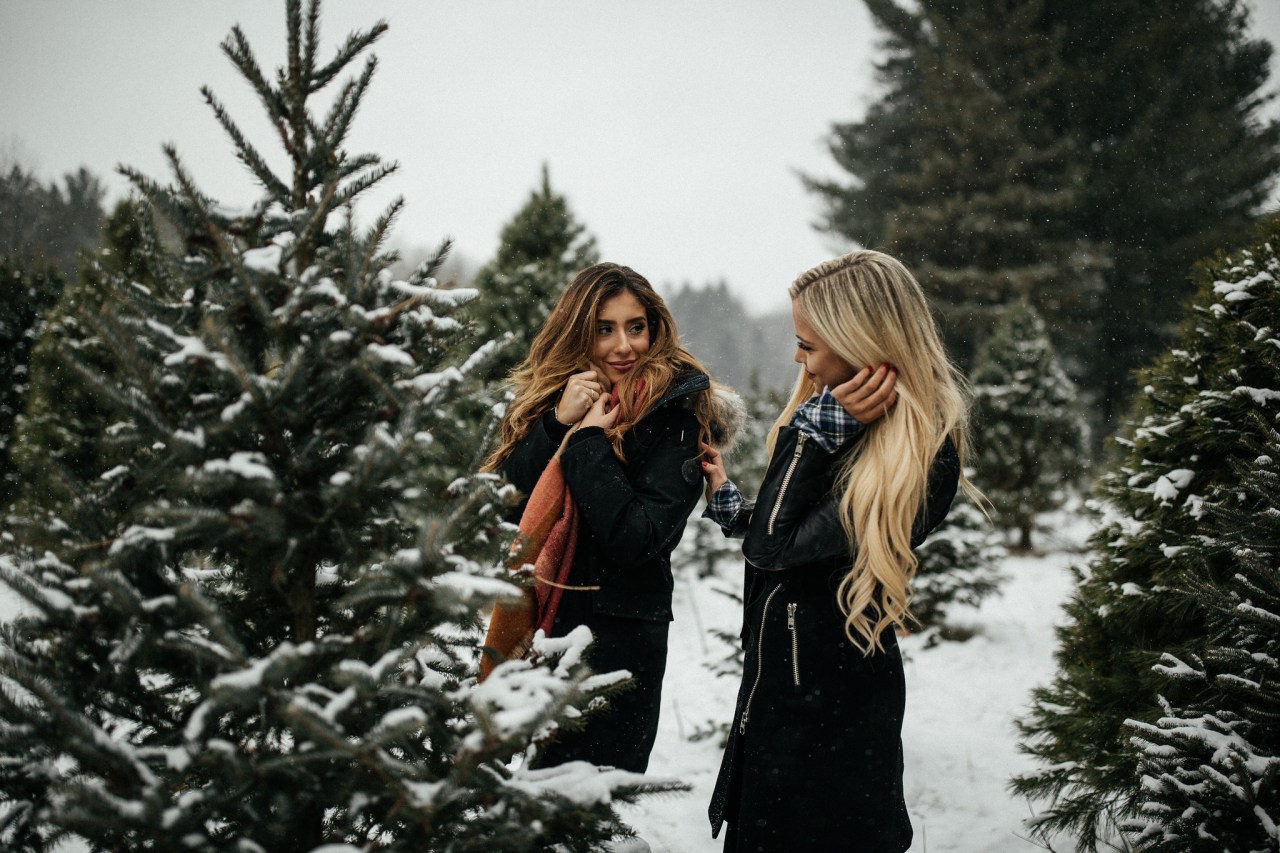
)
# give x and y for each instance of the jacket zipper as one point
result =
(786, 479)
(746, 709)
(795, 644)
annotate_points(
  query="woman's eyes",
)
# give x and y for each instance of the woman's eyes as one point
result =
(636, 329)
(804, 347)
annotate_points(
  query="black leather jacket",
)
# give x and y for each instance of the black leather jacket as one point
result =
(806, 688)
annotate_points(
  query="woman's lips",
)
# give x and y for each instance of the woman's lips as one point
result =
(622, 366)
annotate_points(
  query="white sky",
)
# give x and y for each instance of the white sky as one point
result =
(675, 127)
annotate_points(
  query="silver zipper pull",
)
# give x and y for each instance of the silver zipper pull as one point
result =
(791, 616)
(742, 724)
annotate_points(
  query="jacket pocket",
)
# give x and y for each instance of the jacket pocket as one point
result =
(795, 644)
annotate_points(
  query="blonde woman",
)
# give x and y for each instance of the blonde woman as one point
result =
(609, 392)
(864, 462)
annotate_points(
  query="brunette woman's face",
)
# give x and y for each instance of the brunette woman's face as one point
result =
(824, 368)
(622, 335)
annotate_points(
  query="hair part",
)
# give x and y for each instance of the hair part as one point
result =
(565, 344)
(869, 309)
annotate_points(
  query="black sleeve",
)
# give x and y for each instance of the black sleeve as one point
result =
(944, 478)
(795, 522)
(797, 519)
(532, 453)
(635, 520)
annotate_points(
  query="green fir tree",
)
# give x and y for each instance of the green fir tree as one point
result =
(1211, 768)
(953, 170)
(959, 566)
(1030, 435)
(1207, 404)
(542, 248)
(1085, 154)
(26, 295)
(255, 627)
(1166, 102)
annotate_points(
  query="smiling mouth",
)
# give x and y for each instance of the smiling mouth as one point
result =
(622, 366)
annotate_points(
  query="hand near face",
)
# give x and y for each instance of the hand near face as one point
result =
(869, 395)
(580, 392)
(600, 414)
(713, 469)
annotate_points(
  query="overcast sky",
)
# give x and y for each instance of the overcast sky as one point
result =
(675, 127)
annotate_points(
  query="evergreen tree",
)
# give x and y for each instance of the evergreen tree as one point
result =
(60, 408)
(1091, 151)
(255, 627)
(25, 295)
(1211, 768)
(955, 173)
(959, 564)
(1194, 430)
(1030, 434)
(542, 248)
(42, 223)
(1166, 101)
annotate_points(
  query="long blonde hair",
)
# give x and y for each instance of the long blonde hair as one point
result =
(869, 310)
(564, 346)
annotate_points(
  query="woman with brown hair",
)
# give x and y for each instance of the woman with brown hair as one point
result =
(609, 395)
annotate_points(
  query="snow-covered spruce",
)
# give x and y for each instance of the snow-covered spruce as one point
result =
(1029, 432)
(250, 611)
(1211, 768)
(1190, 451)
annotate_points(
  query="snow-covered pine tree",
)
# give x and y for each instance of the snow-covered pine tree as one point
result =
(256, 629)
(49, 450)
(27, 292)
(1211, 767)
(1198, 421)
(542, 248)
(1030, 434)
(959, 564)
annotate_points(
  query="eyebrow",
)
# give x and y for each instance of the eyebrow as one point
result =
(635, 319)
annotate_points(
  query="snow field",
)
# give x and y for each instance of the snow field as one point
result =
(959, 736)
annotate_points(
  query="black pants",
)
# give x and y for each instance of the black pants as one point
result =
(622, 734)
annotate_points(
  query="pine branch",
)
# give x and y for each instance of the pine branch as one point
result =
(247, 154)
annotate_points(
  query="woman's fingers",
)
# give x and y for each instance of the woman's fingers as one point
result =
(713, 469)
(580, 392)
(600, 414)
(870, 394)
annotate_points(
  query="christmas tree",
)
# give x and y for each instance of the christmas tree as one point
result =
(1211, 768)
(1206, 407)
(1030, 434)
(254, 626)
(958, 566)
(954, 172)
(542, 248)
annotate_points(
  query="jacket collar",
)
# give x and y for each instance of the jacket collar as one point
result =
(685, 384)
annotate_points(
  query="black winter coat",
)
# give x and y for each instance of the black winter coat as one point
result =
(632, 515)
(814, 759)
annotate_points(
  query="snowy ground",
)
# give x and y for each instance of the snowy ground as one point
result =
(961, 701)
(958, 735)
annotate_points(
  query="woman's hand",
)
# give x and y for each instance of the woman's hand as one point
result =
(869, 395)
(600, 414)
(580, 392)
(713, 469)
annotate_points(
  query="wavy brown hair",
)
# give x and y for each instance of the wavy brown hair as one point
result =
(564, 347)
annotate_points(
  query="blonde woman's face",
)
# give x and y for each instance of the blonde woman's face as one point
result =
(622, 335)
(824, 368)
